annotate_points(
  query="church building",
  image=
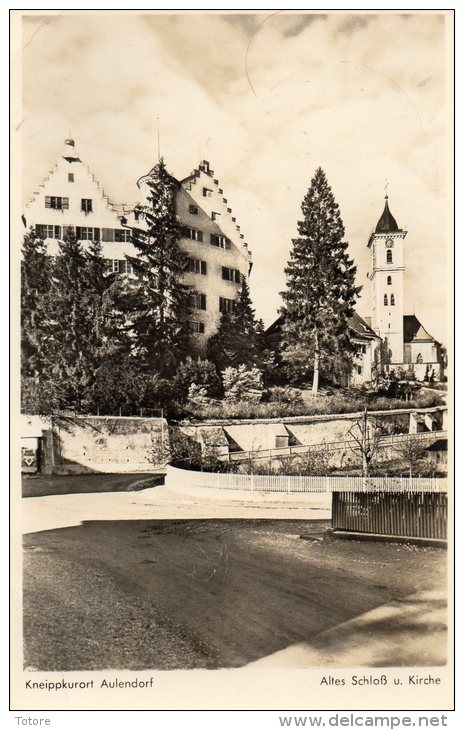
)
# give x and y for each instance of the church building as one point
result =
(387, 342)
(405, 344)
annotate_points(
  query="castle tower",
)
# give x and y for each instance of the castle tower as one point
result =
(386, 244)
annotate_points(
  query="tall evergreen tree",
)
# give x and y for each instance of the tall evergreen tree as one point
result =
(39, 392)
(35, 284)
(71, 331)
(321, 291)
(161, 304)
(240, 336)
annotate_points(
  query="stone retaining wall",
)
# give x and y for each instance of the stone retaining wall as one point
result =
(83, 444)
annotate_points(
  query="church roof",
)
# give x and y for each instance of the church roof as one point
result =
(414, 331)
(360, 328)
(386, 223)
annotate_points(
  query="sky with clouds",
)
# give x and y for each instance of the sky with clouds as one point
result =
(266, 98)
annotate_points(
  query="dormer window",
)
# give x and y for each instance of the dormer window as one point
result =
(389, 280)
(86, 205)
(193, 209)
(389, 256)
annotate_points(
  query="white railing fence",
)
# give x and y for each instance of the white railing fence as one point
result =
(302, 484)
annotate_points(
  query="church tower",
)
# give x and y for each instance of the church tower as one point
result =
(386, 245)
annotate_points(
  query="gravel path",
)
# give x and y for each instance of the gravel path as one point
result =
(178, 594)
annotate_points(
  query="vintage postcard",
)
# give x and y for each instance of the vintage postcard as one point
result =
(232, 246)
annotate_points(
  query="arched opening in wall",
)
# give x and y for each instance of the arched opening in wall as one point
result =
(392, 300)
(385, 300)
(419, 359)
(389, 257)
(389, 280)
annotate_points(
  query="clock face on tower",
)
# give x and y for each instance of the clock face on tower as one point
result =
(389, 243)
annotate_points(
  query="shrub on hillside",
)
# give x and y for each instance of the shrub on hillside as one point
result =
(283, 394)
(242, 383)
(197, 372)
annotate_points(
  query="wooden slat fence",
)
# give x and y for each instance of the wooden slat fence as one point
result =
(406, 514)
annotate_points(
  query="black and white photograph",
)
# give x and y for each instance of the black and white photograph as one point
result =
(232, 250)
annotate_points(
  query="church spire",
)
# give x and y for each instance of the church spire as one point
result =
(387, 223)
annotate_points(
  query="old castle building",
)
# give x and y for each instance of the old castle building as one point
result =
(71, 199)
(218, 257)
(219, 260)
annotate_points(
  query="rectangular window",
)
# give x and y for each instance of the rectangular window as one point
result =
(119, 266)
(196, 266)
(214, 216)
(56, 202)
(197, 327)
(194, 234)
(86, 205)
(122, 236)
(45, 231)
(226, 305)
(125, 267)
(70, 177)
(198, 301)
(86, 233)
(231, 275)
(207, 193)
(193, 209)
(219, 241)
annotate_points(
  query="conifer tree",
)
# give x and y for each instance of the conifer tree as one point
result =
(39, 392)
(321, 291)
(161, 304)
(68, 322)
(240, 336)
(35, 284)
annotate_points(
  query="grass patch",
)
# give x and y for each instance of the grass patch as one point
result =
(320, 405)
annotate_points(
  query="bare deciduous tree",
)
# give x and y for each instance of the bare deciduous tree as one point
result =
(365, 435)
(411, 450)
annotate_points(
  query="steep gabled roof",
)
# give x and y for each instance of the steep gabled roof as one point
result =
(414, 331)
(360, 328)
(357, 325)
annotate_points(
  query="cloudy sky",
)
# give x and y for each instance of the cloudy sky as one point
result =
(266, 98)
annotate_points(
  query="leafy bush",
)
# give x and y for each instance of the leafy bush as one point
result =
(198, 394)
(197, 372)
(283, 394)
(184, 450)
(242, 382)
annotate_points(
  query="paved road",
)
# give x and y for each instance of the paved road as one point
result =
(179, 594)
(42, 485)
